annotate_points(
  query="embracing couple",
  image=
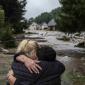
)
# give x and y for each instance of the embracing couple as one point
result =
(35, 65)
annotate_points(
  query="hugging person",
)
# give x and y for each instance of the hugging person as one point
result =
(35, 65)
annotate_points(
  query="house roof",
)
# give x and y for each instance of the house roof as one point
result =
(52, 23)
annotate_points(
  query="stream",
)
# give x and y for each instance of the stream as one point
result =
(72, 57)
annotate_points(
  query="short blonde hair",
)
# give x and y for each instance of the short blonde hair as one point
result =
(27, 47)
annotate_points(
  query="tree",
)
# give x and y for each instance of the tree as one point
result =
(1, 17)
(5, 32)
(21, 26)
(14, 11)
(55, 12)
(44, 17)
(7, 38)
(72, 16)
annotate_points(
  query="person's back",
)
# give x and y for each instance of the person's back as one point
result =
(50, 74)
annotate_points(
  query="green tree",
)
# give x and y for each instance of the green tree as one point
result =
(72, 16)
(14, 11)
(1, 17)
(21, 26)
(55, 13)
(5, 32)
(6, 37)
(44, 17)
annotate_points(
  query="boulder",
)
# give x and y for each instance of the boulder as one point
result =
(64, 38)
(4, 50)
(81, 44)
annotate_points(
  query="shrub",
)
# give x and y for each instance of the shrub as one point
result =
(7, 38)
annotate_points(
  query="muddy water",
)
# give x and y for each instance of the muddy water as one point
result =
(74, 60)
(72, 57)
(75, 70)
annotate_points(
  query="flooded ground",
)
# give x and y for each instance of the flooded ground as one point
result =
(75, 70)
(72, 57)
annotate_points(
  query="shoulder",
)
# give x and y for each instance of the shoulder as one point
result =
(60, 66)
(56, 65)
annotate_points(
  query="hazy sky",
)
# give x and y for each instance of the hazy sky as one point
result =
(36, 7)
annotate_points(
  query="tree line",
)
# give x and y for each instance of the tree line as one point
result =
(14, 11)
(46, 16)
(11, 14)
(70, 16)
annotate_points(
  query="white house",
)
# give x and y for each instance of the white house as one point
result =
(44, 26)
(33, 26)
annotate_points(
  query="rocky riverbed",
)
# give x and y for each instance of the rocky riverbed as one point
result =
(72, 57)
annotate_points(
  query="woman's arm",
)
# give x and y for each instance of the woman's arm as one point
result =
(32, 65)
(11, 78)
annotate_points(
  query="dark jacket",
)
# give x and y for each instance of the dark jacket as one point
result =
(49, 75)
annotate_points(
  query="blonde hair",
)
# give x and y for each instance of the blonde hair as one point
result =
(28, 47)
